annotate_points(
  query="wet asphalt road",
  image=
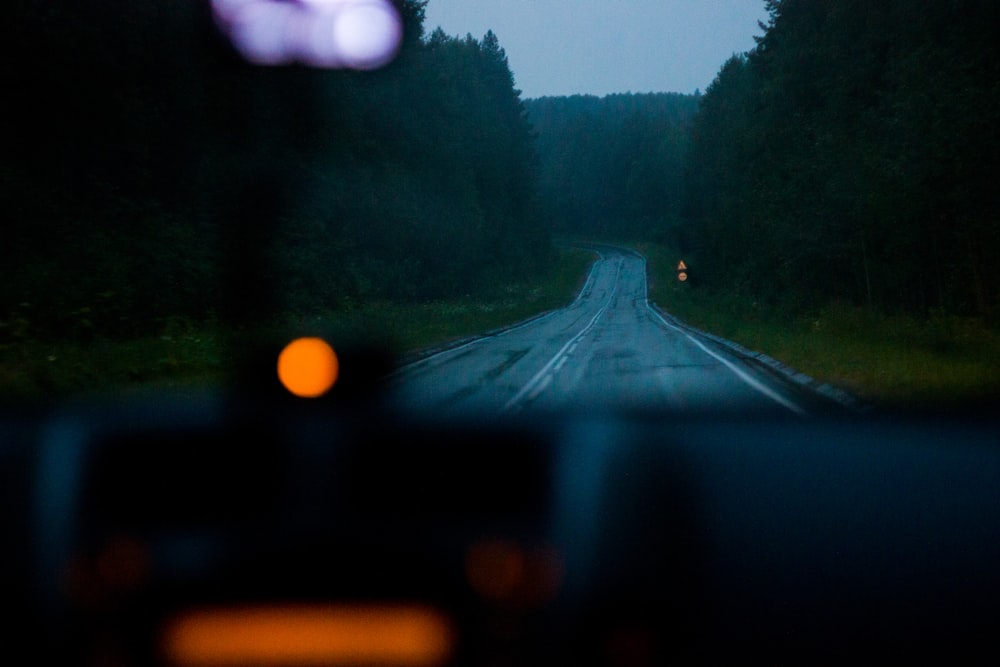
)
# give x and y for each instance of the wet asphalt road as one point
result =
(608, 350)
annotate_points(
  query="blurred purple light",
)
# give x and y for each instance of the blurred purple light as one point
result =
(258, 29)
(358, 34)
(368, 34)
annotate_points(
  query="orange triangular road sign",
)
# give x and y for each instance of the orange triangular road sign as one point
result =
(682, 266)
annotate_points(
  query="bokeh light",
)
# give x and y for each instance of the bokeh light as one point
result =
(368, 34)
(309, 635)
(502, 571)
(356, 34)
(308, 367)
(495, 568)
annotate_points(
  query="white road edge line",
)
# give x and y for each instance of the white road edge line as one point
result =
(548, 366)
(590, 278)
(410, 367)
(762, 388)
(413, 365)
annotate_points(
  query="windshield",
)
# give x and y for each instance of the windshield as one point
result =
(781, 206)
(489, 332)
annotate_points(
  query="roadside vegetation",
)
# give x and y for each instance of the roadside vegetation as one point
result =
(893, 361)
(194, 353)
(832, 191)
(194, 204)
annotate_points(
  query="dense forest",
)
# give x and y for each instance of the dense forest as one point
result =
(612, 166)
(852, 156)
(151, 174)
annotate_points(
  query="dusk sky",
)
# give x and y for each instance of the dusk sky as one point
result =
(562, 47)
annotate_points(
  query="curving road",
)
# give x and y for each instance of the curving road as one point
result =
(608, 350)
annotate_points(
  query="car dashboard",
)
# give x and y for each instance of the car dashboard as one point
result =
(570, 539)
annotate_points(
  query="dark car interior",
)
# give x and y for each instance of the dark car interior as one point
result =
(245, 526)
(586, 538)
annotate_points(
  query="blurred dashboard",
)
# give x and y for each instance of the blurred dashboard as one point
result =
(575, 539)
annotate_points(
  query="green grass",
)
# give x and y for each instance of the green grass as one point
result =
(409, 327)
(186, 354)
(890, 360)
(39, 371)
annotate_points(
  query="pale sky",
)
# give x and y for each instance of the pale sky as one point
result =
(562, 47)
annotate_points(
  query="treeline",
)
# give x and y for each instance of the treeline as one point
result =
(151, 174)
(853, 156)
(612, 166)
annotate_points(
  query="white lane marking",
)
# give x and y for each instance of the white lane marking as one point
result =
(572, 348)
(762, 388)
(561, 363)
(540, 375)
(475, 341)
(590, 278)
(410, 367)
(546, 381)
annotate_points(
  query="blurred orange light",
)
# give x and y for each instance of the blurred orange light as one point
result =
(507, 573)
(308, 367)
(495, 568)
(310, 635)
(123, 563)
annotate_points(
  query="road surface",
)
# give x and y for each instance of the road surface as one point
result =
(608, 350)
